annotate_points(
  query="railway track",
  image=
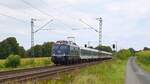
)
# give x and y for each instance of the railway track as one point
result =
(22, 76)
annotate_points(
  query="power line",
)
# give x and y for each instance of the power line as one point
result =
(88, 25)
(27, 3)
(99, 31)
(44, 2)
(12, 17)
(4, 5)
(41, 28)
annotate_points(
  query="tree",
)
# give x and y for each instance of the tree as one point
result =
(9, 46)
(146, 48)
(47, 48)
(123, 54)
(37, 51)
(41, 50)
(91, 47)
(104, 48)
(132, 51)
(22, 51)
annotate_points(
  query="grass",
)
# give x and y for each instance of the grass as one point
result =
(111, 72)
(143, 60)
(145, 67)
(28, 63)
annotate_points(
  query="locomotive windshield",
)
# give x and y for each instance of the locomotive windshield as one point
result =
(60, 49)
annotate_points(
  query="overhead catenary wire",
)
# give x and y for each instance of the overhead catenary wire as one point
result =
(27, 3)
(46, 14)
(41, 28)
(88, 25)
(43, 12)
(22, 12)
(12, 17)
(29, 15)
(33, 8)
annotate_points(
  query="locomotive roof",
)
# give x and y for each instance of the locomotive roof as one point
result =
(89, 49)
(94, 50)
(106, 52)
(66, 42)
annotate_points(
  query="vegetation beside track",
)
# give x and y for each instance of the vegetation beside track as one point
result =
(143, 60)
(112, 71)
(27, 63)
(109, 72)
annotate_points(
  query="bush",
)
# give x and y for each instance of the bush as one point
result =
(144, 57)
(12, 61)
(123, 54)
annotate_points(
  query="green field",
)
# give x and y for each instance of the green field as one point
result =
(143, 60)
(28, 63)
(111, 72)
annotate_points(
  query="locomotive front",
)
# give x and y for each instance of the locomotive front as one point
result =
(60, 52)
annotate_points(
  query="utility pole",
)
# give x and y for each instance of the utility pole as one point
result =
(35, 31)
(32, 36)
(100, 30)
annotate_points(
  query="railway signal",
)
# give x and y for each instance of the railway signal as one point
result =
(114, 46)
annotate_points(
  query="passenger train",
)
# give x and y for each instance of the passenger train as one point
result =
(67, 52)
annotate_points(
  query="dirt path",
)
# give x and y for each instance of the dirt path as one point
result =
(134, 75)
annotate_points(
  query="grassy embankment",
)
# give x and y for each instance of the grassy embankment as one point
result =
(143, 60)
(28, 63)
(110, 72)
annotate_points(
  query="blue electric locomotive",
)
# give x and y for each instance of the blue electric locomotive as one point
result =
(64, 52)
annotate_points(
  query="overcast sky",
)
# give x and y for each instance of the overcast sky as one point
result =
(124, 21)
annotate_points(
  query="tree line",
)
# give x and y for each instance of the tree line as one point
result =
(43, 50)
(11, 46)
(104, 48)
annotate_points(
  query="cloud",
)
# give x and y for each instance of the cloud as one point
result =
(130, 8)
(123, 21)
